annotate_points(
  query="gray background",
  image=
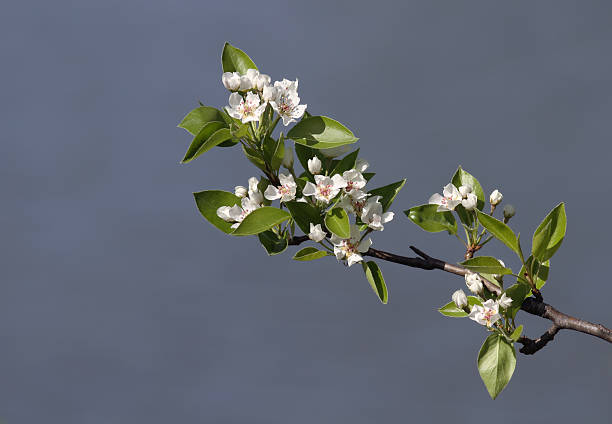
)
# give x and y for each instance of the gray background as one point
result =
(120, 304)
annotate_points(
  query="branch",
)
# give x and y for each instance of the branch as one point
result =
(530, 305)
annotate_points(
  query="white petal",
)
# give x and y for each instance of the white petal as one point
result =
(338, 181)
(309, 189)
(272, 193)
(353, 259)
(365, 245)
(435, 199)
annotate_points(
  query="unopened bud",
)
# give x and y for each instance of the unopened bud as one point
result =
(361, 165)
(472, 281)
(495, 198)
(241, 191)
(509, 212)
(470, 202)
(465, 190)
(231, 80)
(288, 158)
(460, 299)
(314, 165)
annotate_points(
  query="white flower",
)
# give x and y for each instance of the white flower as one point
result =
(240, 191)
(354, 180)
(486, 314)
(246, 110)
(288, 158)
(354, 202)
(314, 165)
(509, 211)
(326, 188)
(253, 183)
(286, 102)
(495, 198)
(372, 214)
(460, 299)
(361, 165)
(231, 80)
(470, 202)
(268, 93)
(473, 282)
(465, 190)
(236, 213)
(350, 248)
(450, 199)
(261, 81)
(316, 233)
(285, 192)
(504, 301)
(336, 151)
(254, 192)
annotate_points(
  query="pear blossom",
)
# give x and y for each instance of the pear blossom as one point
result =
(465, 190)
(460, 299)
(288, 158)
(354, 180)
(236, 214)
(326, 188)
(285, 192)
(350, 248)
(354, 202)
(314, 165)
(504, 301)
(253, 184)
(231, 80)
(495, 198)
(247, 110)
(373, 215)
(470, 201)
(268, 93)
(336, 151)
(286, 102)
(261, 81)
(450, 199)
(241, 191)
(316, 233)
(487, 314)
(473, 282)
(254, 192)
(361, 165)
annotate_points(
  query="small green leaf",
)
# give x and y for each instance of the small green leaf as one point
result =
(500, 231)
(272, 242)
(321, 132)
(347, 162)
(273, 152)
(235, 60)
(542, 273)
(254, 157)
(368, 175)
(496, 363)
(451, 310)
(337, 221)
(426, 217)
(518, 293)
(210, 200)
(304, 214)
(550, 234)
(260, 220)
(462, 177)
(195, 120)
(200, 142)
(388, 193)
(309, 254)
(376, 280)
(486, 264)
(517, 333)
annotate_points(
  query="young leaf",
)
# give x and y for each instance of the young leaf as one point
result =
(426, 217)
(486, 264)
(462, 177)
(200, 142)
(260, 220)
(451, 310)
(549, 234)
(210, 200)
(496, 363)
(518, 293)
(273, 152)
(321, 132)
(235, 60)
(347, 162)
(376, 280)
(388, 193)
(254, 157)
(500, 231)
(197, 118)
(272, 242)
(337, 221)
(517, 333)
(309, 254)
(304, 214)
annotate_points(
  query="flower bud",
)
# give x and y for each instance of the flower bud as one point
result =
(241, 191)
(472, 281)
(495, 198)
(269, 93)
(245, 83)
(261, 81)
(504, 301)
(361, 165)
(509, 212)
(253, 183)
(314, 165)
(465, 190)
(288, 158)
(460, 299)
(470, 202)
(231, 80)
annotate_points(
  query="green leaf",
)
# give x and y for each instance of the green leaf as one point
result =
(517, 333)
(254, 157)
(486, 264)
(518, 292)
(260, 220)
(309, 254)
(195, 120)
(210, 200)
(321, 132)
(235, 60)
(368, 175)
(496, 363)
(376, 280)
(388, 193)
(462, 177)
(303, 214)
(426, 217)
(337, 221)
(273, 152)
(200, 143)
(540, 276)
(272, 242)
(500, 231)
(451, 310)
(347, 162)
(550, 234)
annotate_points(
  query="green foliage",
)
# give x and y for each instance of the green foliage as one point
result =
(211, 135)
(496, 363)
(260, 220)
(321, 132)
(463, 177)
(516, 333)
(235, 60)
(210, 200)
(451, 310)
(388, 193)
(273, 152)
(518, 292)
(337, 221)
(347, 162)
(486, 264)
(303, 214)
(254, 157)
(426, 217)
(272, 242)
(549, 234)
(376, 280)
(197, 118)
(500, 231)
(310, 254)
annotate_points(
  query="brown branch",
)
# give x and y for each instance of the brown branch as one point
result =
(533, 306)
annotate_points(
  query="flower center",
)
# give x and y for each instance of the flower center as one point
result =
(348, 248)
(284, 190)
(325, 191)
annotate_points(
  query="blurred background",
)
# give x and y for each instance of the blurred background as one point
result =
(120, 304)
